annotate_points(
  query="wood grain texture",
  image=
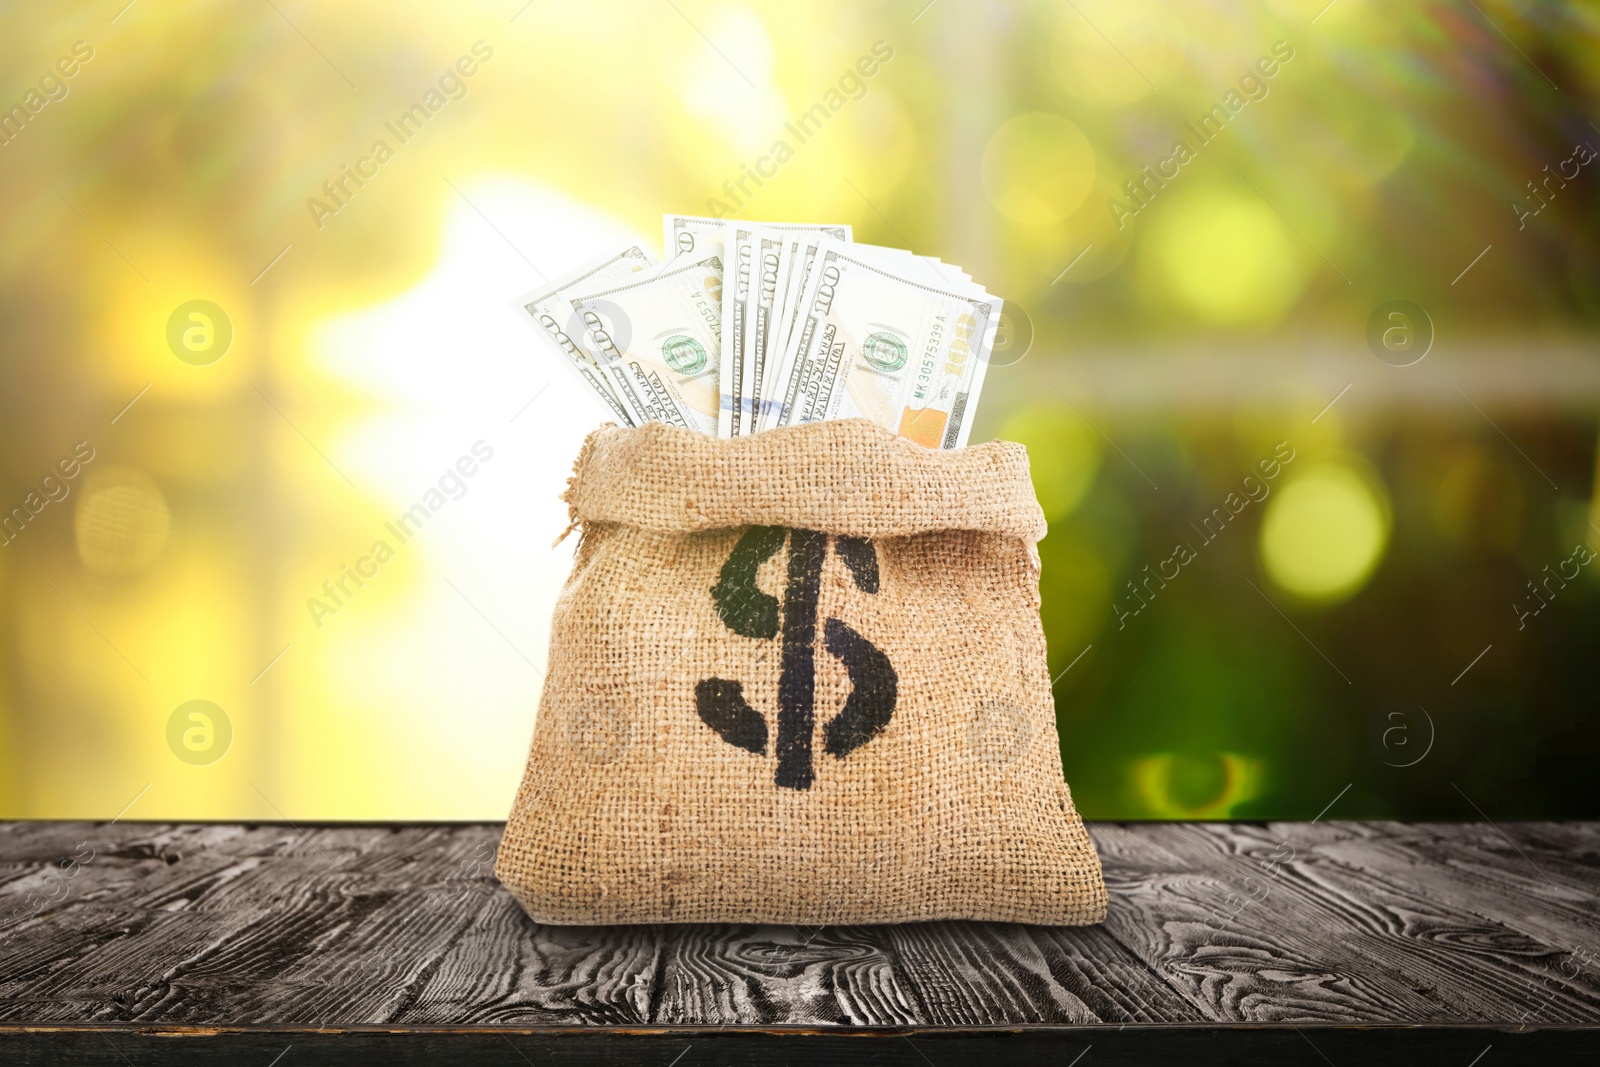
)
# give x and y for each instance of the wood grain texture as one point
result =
(1318, 938)
(1465, 928)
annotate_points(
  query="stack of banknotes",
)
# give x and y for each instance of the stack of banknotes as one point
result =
(752, 325)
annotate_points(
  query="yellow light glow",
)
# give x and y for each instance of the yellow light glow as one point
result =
(746, 112)
(1116, 51)
(1225, 255)
(1324, 532)
(131, 344)
(412, 643)
(1038, 168)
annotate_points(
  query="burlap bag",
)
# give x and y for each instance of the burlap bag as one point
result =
(798, 677)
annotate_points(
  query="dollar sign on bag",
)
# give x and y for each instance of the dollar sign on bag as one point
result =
(749, 612)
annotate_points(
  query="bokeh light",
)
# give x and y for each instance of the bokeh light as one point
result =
(1223, 254)
(1194, 785)
(121, 522)
(1324, 532)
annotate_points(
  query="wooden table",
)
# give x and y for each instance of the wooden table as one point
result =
(281, 946)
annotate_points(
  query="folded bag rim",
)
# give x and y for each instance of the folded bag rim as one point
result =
(875, 484)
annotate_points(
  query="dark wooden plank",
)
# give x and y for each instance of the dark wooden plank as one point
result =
(240, 926)
(917, 974)
(1537, 877)
(1266, 925)
(810, 975)
(1085, 1046)
(988, 974)
(1182, 902)
(367, 925)
(327, 928)
(1110, 981)
(1488, 962)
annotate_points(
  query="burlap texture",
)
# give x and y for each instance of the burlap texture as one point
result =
(798, 677)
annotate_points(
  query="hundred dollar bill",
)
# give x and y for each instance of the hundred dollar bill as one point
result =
(874, 343)
(765, 256)
(789, 257)
(738, 242)
(928, 269)
(684, 235)
(787, 254)
(802, 252)
(698, 236)
(765, 310)
(797, 278)
(550, 311)
(659, 337)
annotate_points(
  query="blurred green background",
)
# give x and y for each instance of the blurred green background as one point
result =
(1308, 545)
